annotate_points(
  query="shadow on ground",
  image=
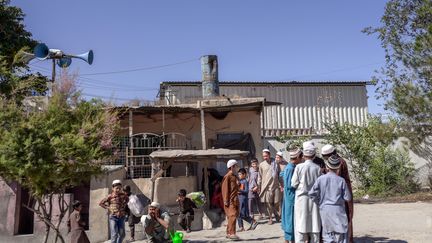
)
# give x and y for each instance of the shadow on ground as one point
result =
(368, 239)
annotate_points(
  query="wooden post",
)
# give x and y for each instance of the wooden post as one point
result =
(130, 157)
(163, 121)
(154, 171)
(263, 124)
(187, 169)
(206, 181)
(203, 135)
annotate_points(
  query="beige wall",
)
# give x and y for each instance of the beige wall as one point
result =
(8, 208)
(99, 189)
(189, 124)
(166, 188)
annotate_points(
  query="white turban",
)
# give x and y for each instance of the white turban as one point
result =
(327, 149)
(231, 163)
(309, 150)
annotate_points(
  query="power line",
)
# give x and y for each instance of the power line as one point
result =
(141, 69)
(102, 83)
(95, 86)
(114, 98)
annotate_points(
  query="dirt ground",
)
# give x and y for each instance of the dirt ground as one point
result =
(373, 222)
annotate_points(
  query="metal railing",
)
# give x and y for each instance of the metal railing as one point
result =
(138, 162)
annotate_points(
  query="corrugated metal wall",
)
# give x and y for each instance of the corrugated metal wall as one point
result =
(303, 107)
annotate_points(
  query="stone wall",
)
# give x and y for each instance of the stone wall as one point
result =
(8, 209)
(166, 188)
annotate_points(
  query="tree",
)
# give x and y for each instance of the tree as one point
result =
(405, 82)
(293, 141)
(54, 149)
(15, 80)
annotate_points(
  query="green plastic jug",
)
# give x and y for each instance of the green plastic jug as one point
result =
(177, 237)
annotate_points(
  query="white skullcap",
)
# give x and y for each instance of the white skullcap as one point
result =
(116, 182)
(266, 151)
(309, 150)
(280, 153)
(294, 153)
(327, 149)
(155, 205)
(308, 143)
(231, 163)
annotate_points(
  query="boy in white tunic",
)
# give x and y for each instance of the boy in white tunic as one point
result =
(307, 222)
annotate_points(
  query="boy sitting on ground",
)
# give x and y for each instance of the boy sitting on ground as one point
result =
(186, 206)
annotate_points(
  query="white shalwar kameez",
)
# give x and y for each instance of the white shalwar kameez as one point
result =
(307, 222)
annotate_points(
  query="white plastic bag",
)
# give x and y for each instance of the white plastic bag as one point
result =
(135, 206)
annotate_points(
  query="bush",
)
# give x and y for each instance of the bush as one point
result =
(376, 167)
(293, 141)
(391, 172)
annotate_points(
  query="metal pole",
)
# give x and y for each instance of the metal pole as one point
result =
(53, 70)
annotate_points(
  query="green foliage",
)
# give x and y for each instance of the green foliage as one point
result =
(293, 141)
(15, 81)
(13, 34)
(391, 172)
(378, 168)
(406, 80)
(57, 148)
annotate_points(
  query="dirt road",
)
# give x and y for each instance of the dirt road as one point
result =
(381, 222)
(393, 222)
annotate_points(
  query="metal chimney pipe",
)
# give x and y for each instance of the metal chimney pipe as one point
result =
(210, 80)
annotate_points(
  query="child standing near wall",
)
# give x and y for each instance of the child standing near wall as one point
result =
(131, 219)
(76, 224)
(253, 197)
(116, 203)
(243, 199)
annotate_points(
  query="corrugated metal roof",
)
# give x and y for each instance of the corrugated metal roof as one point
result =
(303, 106)
(208, 104)
(269, 83)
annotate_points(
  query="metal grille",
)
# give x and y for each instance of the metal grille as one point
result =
(119, 151)
(143, 144)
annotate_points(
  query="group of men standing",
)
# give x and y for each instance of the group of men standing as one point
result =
(312, 196)
(317, 203)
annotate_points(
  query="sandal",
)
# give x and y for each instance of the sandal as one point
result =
(233, 237)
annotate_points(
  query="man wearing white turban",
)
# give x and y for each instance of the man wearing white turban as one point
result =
(307, 222)
(230, 189)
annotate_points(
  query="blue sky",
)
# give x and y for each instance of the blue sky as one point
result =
(254, 41)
